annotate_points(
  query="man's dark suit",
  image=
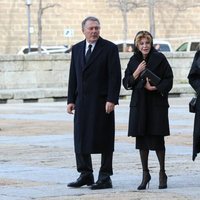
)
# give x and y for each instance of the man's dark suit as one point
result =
(91, 85)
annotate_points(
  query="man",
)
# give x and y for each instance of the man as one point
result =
(93, 92)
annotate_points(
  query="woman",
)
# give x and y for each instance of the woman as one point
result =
(148, 120)
(194, 81)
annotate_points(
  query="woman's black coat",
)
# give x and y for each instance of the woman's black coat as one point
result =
(149, 109)
(91, 85)
(194, 80)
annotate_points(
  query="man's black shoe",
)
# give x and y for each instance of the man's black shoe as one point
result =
(102, 184)
(82, 180)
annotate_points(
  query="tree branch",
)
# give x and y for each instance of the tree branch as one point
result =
(49, 6)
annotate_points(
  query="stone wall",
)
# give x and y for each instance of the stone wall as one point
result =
(171, 23)
(33, 71)
(43, 77)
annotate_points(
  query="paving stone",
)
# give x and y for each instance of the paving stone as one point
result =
(37, 156)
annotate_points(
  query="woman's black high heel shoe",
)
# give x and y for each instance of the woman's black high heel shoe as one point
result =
(162, 180)
(145, 180)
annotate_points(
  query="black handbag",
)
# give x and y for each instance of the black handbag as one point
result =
(192, 105)
(154, 79)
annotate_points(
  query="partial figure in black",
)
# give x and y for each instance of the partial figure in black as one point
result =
(194, 81)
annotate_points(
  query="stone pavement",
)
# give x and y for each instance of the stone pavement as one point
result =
(37, 158)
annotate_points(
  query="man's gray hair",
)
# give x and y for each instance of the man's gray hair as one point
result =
(90, 18)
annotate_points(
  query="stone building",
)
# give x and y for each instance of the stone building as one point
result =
(62, 23)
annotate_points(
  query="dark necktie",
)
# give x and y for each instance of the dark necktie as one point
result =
(89, 51)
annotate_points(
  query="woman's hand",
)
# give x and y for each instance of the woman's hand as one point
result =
(141, 67)
(148, 86)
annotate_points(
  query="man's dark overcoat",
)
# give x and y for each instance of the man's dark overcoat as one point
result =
(90, 86)
(194, 80)
(149, 109)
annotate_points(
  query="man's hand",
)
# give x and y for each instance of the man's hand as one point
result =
(109, 107)
(70, 108)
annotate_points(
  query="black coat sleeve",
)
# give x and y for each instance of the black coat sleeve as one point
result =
(129, 82)
(72, 84)
(166, 82)
(194, 73)
(114, 71)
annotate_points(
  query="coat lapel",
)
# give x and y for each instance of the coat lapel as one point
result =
(82, 54)
(97, 50)
(154, 61)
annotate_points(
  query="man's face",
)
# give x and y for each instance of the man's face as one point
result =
(91, 31)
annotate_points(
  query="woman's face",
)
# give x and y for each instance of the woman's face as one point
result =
(144, 45)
